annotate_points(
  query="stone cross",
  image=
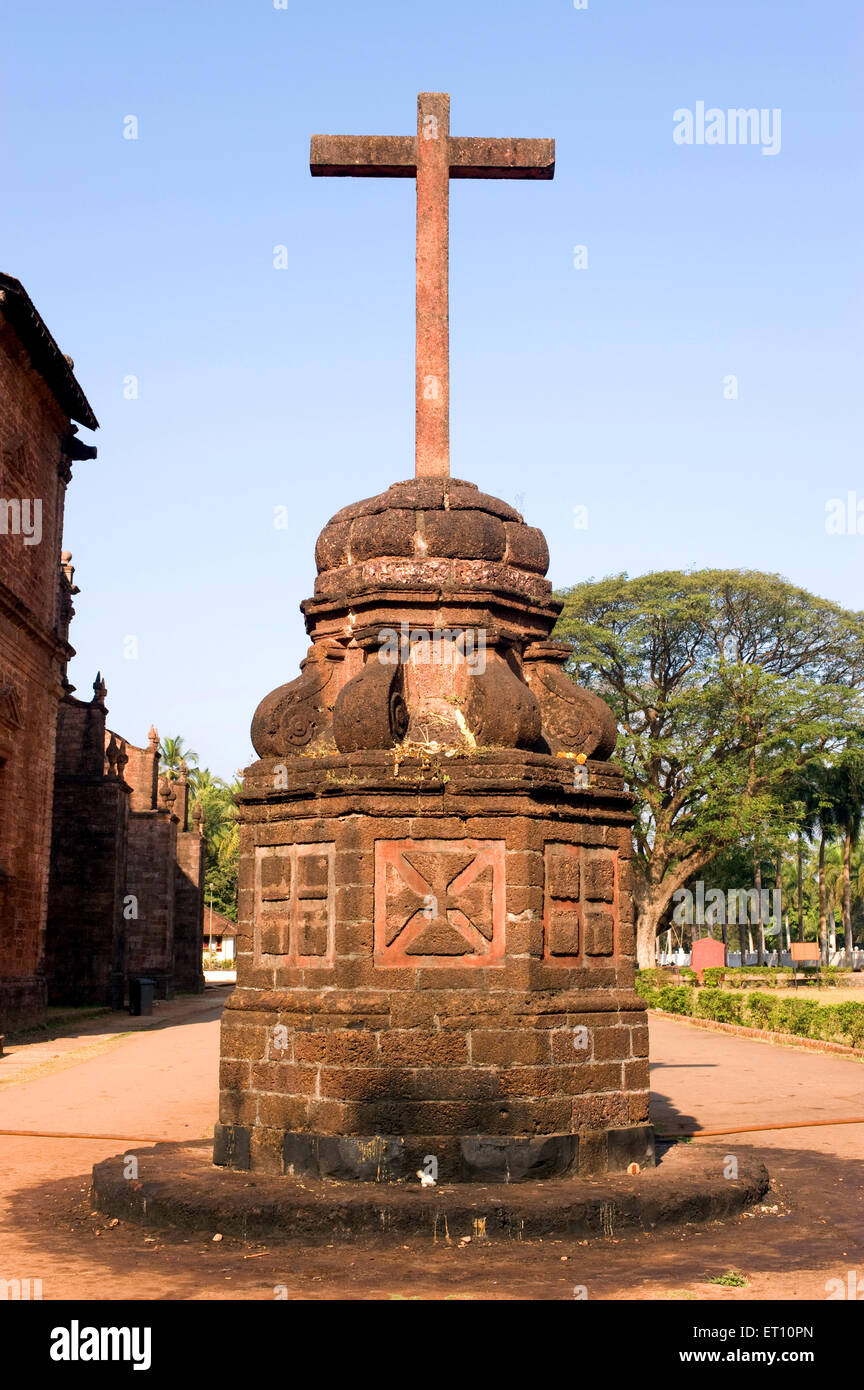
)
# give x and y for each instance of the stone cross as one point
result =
(433, 158)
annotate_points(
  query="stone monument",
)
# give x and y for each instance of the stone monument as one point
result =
(436, 937)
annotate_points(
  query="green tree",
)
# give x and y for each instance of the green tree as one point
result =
(814, 789)
(724, 683)
(172, 752)
(846, 798)
(222, 833)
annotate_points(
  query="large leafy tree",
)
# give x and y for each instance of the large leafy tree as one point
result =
(222, 833)
(725, 683)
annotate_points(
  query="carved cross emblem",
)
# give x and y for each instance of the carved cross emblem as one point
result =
(439, 902)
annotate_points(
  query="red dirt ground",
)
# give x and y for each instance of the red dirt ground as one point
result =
(156, 1079)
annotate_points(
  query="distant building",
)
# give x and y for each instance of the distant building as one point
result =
(101, 871)
(127, 866)
(39, 400)
(220, 936)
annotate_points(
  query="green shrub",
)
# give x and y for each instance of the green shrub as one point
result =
(714, 974)
(803, 1018)
(646, 990)
(651, 976)
(717, 1004)
(796, 1016)
(761, 1009)
(825, 1023)
(850, 1021)
(829, 976)
(675, 999)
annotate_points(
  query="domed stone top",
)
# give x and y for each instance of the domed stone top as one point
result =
(431, 532)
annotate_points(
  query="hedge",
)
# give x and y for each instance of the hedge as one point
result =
(768, 976)
(658, 975)
(803, 1018)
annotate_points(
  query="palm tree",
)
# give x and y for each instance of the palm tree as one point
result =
(845, 792)
(222, 833)
(202, 781)
(819, 821)
(171, 754)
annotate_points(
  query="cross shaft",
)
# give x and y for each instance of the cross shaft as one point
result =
(433, 158)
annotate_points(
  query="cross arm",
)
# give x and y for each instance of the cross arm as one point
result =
(472, 158)
(395, 157)
(363, 156)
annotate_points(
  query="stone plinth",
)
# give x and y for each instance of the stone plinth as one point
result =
(435, 959)
(435, 937)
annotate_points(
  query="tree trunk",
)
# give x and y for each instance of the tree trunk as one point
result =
(742, 938)
(760, 937)
(800, 886)
(847, 894)
(651, 898)
(778, 903)
(648, 916)
(823, 904)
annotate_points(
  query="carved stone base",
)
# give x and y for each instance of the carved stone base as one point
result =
(434, 946)
(457, 1158)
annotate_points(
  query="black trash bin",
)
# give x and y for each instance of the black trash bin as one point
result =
(141, 995)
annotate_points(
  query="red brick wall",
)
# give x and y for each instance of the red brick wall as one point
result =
(85, 939)
(32, 428)
(189, 912)
(141, 773)
(150, 878)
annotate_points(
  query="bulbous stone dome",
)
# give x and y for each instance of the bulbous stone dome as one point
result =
(437, 533)
(404, 578)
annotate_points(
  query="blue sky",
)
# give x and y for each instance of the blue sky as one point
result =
(260, 388)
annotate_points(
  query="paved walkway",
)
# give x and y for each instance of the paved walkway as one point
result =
(157, 1079)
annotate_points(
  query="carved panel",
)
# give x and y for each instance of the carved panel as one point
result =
(439, 902)
(580, 910)
(294, 905)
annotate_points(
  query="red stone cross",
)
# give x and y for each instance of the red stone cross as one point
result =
(433, 158)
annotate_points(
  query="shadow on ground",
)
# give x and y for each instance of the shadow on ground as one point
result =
(810, 1228)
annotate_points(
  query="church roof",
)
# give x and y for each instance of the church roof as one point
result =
(46, 357)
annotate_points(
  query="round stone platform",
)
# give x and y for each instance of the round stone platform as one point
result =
(178, 1185)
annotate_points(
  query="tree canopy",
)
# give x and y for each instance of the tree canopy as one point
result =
(726, 685)
(219, 822)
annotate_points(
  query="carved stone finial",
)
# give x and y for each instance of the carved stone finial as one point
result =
(112, 753)
(100, 690)
(153, 739)
(183, 770)
(167, 795)
(575, 720)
